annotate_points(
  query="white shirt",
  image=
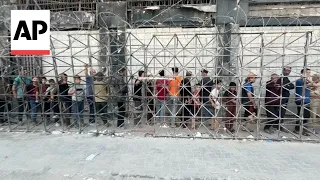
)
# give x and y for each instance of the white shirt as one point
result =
(215, 95)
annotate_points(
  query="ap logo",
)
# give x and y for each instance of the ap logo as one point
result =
(30, 32)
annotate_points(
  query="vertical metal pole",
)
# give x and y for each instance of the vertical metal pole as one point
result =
(305, 64)
(92, 99)
(282, 76)
(260, 85)
(73, 74)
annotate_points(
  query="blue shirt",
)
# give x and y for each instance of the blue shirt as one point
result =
(299, 93)
(247, 88)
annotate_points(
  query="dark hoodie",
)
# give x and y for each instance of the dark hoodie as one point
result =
(272, 94)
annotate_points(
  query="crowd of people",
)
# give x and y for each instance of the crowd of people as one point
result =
(191, 104)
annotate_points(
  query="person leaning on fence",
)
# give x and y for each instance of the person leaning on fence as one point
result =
(248, 101)
(33, 98)
(315, 99)
(138, 96)
(77, 93)
(272, 104)
(174, 90)
(19, 93)
(186, 94)
(303, 101)
(230, 99)
(214, 98)
(162, 96)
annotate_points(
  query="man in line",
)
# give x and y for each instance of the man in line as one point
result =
(139, 95)
(90, 92)
(97, 94)
(19, 92)
(303, 100)
(186, 94)
(174, 90)
(206, 87)
(285, 87)
(272, 103)
(77, 94)
(248, 101)
(162, 95)
(215, 102)
(64, 99)
(122, 90)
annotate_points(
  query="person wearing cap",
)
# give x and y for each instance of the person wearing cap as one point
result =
(138, 95)
(215, 103)
(19, 93)
(206, 88)
(272, 104)
(186, 94)
(174, 91)
(247, 100)
(230, 99)
(162, 96)
(77, 92)
(33, 98)
(303, 100)
(285, 87)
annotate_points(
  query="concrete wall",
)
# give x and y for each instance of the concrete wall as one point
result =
(71, 50)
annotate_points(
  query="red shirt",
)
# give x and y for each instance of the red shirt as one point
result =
(161, 85)
(32, 90)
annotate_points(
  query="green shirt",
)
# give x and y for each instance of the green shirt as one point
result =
(20, 83)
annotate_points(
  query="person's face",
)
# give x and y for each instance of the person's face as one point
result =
(51, 84)
(274, 78)
(204, 74)
(77, 80)
(233, 89)
(218, 86)
(308, 73)
(286, 71)
(121, 73)
(44, 81)
(197, 88)
(252, 79)
(143, 75)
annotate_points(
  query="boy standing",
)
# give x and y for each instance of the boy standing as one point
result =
(162, 91)
(77, 93)
(215, 102)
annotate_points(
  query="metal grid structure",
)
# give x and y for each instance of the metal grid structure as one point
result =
(227, 56)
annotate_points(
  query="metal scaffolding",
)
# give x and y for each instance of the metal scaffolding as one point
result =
(97, 83)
